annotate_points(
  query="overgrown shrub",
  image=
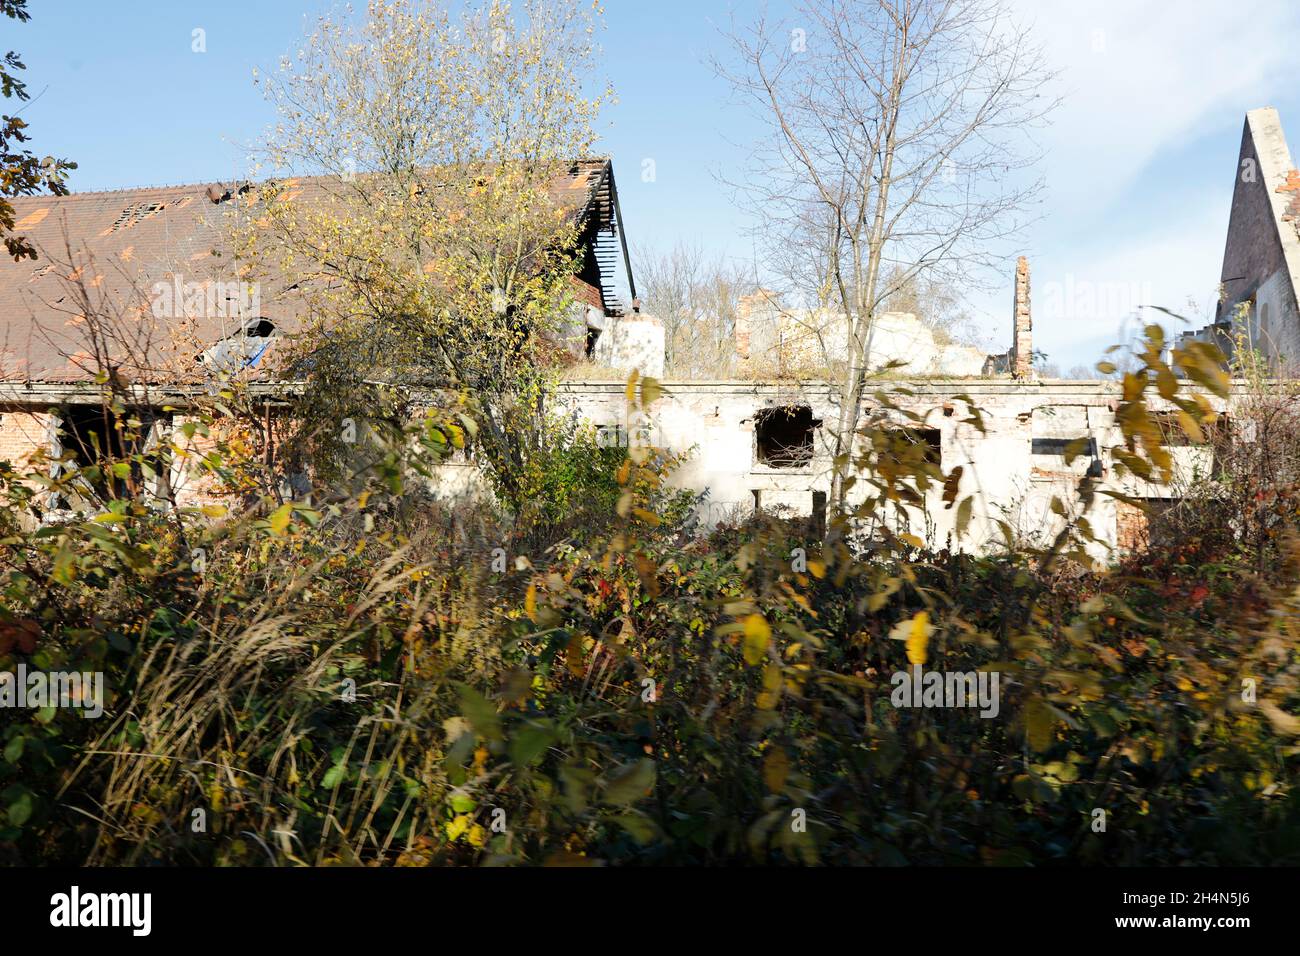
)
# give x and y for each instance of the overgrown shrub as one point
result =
(326, 689)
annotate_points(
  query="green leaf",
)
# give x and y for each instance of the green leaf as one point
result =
(20, 811)
(963, 514)
(333, 776)
(279, 518)
(529, 744)
(776, 769)
(630, 782)
(650, 391)
(638, 826)
(1040, 723)
(14, 749)
(481, 713)
(65, 568)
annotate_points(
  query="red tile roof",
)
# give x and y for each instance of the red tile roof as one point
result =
(118, 245)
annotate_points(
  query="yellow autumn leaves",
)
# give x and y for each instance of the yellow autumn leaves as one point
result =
(756, 639)
(915, 633)
(463, 825)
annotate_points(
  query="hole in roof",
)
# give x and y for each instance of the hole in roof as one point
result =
(138, 213)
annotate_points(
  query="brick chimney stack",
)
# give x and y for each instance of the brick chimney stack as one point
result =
(1022, 351)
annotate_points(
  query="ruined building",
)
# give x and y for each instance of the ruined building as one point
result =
(786, 342)
(757, 443)
(1261, 256)
(168, 246)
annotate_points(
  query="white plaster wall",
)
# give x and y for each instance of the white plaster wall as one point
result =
(901, 337)
(632, 342)
(713, 422)
(812, 339)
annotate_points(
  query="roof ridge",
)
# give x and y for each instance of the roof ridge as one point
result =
(82, 194)
(158, 187)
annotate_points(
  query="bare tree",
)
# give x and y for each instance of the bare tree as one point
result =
(898, 143)
(696, 298)
(936, 303)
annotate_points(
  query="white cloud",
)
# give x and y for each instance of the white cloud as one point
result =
(1127, 219)
(1142, 78)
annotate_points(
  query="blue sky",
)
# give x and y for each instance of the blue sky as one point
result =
(1138, 167)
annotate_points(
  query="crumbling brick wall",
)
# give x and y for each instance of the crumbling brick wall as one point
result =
(1022, 350)
(22, 432)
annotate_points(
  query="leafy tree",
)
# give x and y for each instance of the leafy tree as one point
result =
(436, 254)
(334, 686)
(22, 173)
